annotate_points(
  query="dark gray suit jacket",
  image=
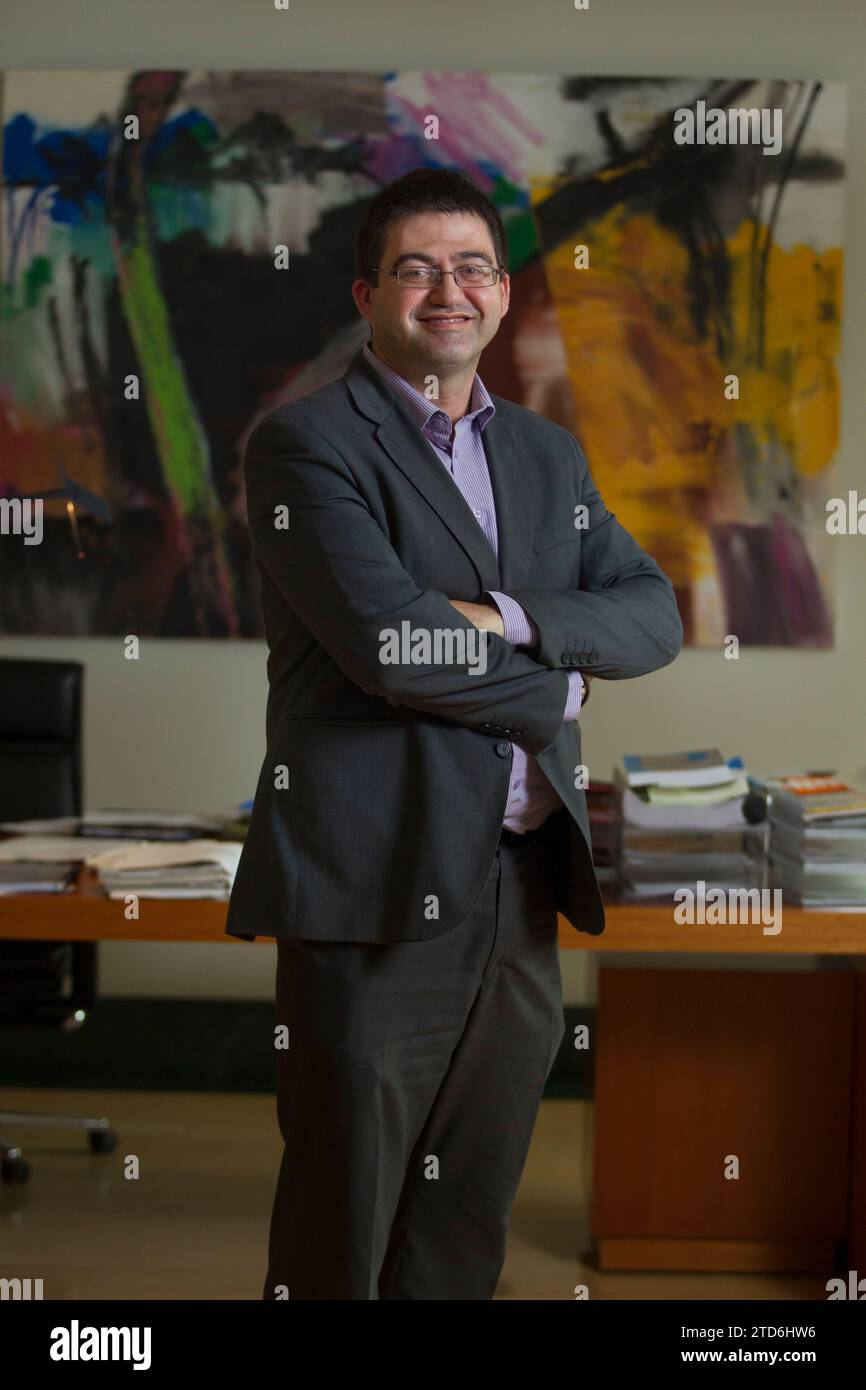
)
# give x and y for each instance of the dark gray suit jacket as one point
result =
(398, 774)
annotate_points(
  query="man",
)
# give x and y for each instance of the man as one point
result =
(437, 570)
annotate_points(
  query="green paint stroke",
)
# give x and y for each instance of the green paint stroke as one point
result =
(180, 441)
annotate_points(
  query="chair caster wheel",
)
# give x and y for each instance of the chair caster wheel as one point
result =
(15, 1170)
(102, 1141)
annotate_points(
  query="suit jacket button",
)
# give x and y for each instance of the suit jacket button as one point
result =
(504, 750)
(566, 658)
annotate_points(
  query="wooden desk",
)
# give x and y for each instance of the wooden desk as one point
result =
(85, 914)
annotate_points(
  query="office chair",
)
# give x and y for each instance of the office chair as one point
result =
(43, 983)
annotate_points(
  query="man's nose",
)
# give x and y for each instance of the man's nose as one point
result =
(447, 292)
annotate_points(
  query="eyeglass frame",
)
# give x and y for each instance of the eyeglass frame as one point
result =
(498, 270)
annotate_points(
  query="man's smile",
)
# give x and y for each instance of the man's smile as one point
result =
(440, 322)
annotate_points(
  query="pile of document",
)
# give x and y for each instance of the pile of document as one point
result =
(682, 820)
(33, 861)
(817, 840)
(154, 854)
(195, 869)
(27, 876)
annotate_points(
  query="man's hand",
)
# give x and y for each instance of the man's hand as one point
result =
(481, 615)
(485, 617)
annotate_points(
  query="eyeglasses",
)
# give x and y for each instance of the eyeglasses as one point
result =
(421, 277)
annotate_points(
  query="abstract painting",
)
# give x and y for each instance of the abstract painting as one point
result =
(675, 248)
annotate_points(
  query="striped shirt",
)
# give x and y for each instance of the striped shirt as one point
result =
(531, 798)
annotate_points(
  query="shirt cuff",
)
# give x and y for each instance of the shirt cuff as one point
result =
(575, 696)
(520, 630)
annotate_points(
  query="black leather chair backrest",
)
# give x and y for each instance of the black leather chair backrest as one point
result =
(40, 738)
(42, 982)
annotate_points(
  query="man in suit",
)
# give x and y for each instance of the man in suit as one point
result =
(438, 576)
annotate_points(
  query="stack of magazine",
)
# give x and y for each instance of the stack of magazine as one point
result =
(682, 821)
(817, 840)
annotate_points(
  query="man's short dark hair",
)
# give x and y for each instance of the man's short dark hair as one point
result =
(422, 190)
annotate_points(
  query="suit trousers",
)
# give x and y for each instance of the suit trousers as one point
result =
(408, 1094)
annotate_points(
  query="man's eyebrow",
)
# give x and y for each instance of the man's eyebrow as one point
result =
(431, 260)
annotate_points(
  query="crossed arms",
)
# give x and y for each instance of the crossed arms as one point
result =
(337, 570)
(489, 618)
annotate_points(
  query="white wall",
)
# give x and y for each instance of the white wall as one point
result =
(184, 728)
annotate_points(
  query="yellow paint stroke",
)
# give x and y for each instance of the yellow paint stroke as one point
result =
(794, 399)
(649, 392)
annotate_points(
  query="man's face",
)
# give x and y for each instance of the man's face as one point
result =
(404, 320)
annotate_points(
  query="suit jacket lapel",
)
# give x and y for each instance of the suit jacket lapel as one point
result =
(508, 465)
(408, 449)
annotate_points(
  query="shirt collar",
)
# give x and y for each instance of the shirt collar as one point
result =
(422, 410)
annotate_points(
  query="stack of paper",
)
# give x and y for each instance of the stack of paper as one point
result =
(24, 876)
(195, 869)
(682, 821)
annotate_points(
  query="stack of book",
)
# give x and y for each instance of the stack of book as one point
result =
(683, 821)
(817, 840)
(604, 830)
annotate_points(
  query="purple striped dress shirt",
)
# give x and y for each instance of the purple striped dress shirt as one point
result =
(531, 798)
